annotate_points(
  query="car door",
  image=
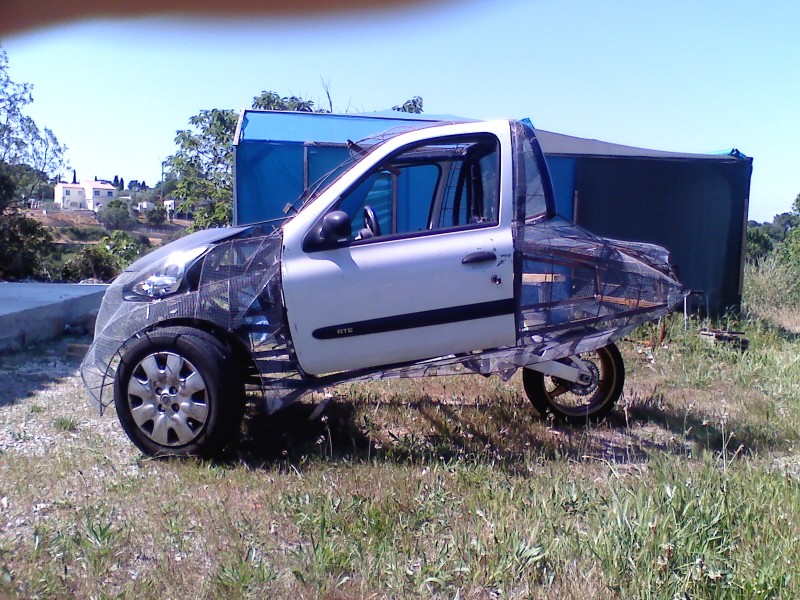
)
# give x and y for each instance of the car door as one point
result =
(428, 268)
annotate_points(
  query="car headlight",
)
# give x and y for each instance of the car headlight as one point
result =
(166, 276)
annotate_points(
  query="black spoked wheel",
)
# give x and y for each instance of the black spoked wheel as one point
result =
(177, 394)
(577, 403)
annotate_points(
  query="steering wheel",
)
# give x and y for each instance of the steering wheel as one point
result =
(371, 221)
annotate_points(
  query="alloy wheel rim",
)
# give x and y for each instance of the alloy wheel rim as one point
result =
(168, 399)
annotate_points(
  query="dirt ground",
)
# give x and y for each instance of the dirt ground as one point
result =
(58, 219)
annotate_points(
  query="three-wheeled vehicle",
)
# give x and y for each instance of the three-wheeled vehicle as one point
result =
(430, 252)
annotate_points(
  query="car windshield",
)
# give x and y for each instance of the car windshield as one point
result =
(358, 151)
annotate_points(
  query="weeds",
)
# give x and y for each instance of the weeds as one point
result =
(772, 283)
(696, 533)
(241, 575)
(66, 424)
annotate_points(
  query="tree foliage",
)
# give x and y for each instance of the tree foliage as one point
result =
(758, 244)
(156, 215)
(272, 101)
(29, 157)
(116, 215)
(779, 239)
(104, 260)
(21, 140)
(92, 262)
(414, 105)
(202, 168)
(24, 247)
(135, 185)
(780, 225)
(790, 247)
(217, 214)
(24, 242)
(203, 163)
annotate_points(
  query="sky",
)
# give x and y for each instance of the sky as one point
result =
(683, 75)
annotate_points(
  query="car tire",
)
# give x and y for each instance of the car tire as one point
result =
(177, 393)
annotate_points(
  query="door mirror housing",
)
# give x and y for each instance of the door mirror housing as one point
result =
(332, 232)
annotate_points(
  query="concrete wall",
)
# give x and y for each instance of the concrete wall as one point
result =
(37, 312)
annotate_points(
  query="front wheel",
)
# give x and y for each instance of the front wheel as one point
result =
(577, 403)
(177, 393)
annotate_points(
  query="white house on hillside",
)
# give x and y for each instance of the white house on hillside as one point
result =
(86, 195)
(70, 196)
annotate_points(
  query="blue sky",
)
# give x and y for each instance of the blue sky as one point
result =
(682, 75)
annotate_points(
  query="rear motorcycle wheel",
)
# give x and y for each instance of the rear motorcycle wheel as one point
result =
(577, 403)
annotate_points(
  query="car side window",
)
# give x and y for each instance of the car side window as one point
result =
(376, 191)
(451, 183)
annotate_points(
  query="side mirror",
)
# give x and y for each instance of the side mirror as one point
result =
(334, 230)
(335, 226)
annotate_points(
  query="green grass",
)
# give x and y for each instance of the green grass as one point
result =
(66, 424)
(438, 488)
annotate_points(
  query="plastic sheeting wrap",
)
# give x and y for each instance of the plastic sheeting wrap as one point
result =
(238, 291)
(571, 278)
(574, 292)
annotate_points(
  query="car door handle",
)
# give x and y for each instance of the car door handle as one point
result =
(477, 257)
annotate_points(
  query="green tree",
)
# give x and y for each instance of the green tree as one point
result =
(414, 105)
(202, 168)
(125, 247)
(117, 203)
(783, 223)
(166, 188)
(203, 163)
(272, 101)
(789, 247)
(217, 214)
(28, 158)
(156, 215)
(116, 215)
(21, 140)
(104, 260)
(92, 262)
(24, 243)
(759, 244)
